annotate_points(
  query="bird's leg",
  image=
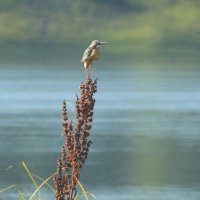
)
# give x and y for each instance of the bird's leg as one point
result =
(94, 66)
(87, 70)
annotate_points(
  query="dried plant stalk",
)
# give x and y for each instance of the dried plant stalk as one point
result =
(77, 143)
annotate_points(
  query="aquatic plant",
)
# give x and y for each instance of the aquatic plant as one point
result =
(77, 142)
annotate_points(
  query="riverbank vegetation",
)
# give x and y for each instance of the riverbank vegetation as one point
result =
(139, 31)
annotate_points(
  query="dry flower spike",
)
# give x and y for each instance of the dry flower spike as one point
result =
(77, 144)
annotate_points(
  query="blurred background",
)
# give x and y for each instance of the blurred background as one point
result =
(146, 130)
(139, 31)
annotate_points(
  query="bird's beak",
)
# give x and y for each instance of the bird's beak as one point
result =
(103, 43)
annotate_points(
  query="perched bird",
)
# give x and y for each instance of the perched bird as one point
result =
(91, 54)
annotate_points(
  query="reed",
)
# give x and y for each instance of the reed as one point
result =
(77, 142)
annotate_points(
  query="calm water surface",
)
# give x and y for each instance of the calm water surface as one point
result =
(146, 131)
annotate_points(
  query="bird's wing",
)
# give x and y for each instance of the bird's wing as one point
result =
(87, 54)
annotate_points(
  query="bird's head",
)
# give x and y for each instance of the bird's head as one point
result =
(97, 43)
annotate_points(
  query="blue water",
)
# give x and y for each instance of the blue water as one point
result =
(146, 131)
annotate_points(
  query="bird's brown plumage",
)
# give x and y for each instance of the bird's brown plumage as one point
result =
(91, 54)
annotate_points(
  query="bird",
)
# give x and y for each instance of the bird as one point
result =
(91, 54)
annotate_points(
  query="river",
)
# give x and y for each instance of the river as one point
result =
(146, 131)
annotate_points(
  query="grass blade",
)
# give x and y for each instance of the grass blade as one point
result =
(30, 176)
(82, 188)
(92, 195)
(7, 188)
(43, 183)
(35, 175)
(21, 195)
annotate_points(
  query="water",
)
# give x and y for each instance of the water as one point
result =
(146, 131)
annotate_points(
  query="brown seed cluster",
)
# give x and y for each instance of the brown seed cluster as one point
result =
(76, 148)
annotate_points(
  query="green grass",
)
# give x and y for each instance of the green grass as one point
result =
(44, 183)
